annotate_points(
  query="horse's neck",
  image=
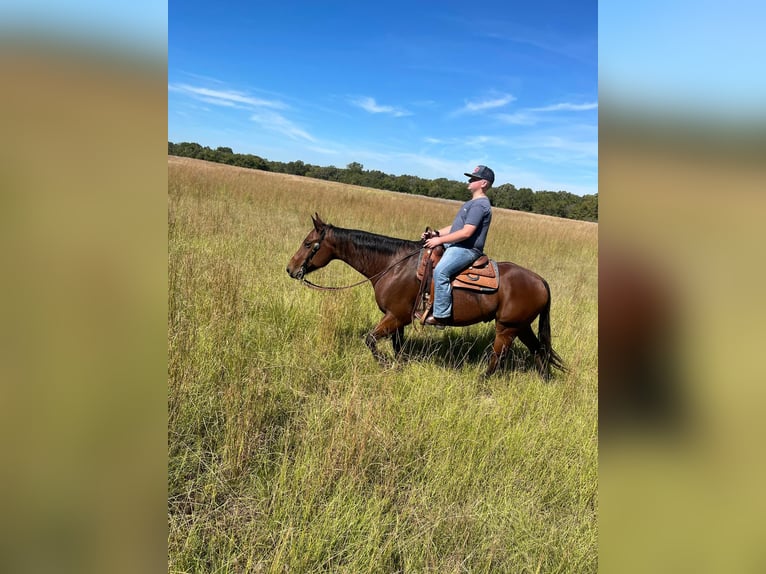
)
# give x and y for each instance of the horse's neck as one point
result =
(368, 264)
(365, 260)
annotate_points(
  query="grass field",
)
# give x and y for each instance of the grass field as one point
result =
(290, 450)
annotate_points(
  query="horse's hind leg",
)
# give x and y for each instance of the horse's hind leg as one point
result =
(528, 337)
(504, 336)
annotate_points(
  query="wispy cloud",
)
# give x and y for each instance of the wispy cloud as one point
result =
(227, 98)
(324, 150)
(370, 105)
(489, 104)
(277, 122)
(263, 116)
(530, 116)
(567, 107)
(557, 149)
(473, 107)
(582, 148)
(480, 141)
(518, 118)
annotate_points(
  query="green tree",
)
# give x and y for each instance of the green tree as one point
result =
(522, 199)
(559, 203)
(297, 168)
(587, 209)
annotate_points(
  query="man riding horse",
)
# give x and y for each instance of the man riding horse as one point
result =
(463, 241)
(508, 293)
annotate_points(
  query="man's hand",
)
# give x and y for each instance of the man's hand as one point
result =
(429, 233)
(434, 241)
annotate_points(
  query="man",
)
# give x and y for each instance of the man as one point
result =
(463, 241)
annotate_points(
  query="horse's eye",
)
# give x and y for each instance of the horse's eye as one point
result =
(307, 245)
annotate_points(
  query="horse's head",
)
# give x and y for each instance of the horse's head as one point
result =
(314, 252)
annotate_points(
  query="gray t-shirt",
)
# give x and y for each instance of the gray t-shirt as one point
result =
(476, 212)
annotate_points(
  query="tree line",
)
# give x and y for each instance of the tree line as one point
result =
(557, 203)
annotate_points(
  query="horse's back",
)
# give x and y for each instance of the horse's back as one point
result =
(510, 271)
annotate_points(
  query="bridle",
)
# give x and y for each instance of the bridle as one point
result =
(310, 256)
(315, 248)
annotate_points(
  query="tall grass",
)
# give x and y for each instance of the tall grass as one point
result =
(290, 450)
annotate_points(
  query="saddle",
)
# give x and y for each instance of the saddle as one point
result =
(481, 276)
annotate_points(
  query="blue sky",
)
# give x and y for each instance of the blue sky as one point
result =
(426, 88)
(422, 88)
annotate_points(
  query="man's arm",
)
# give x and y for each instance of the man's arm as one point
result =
(455, 237)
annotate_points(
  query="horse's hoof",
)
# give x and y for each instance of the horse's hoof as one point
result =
(384, 364)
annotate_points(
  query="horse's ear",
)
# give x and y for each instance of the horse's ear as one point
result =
(318, 223)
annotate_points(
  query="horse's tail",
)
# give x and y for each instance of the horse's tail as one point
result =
(550, 357)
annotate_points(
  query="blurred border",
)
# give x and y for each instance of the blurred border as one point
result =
(83, 174)
(682, 171)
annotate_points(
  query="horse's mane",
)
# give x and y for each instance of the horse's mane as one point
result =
(373, 242)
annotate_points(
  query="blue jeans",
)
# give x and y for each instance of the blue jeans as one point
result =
(454, 260)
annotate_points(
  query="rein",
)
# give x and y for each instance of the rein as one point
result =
(363, 281)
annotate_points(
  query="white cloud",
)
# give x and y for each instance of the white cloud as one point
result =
(557, 149)
(583, 148)
(479, 141)
(263, 115)
(488, 104)
(370, 105)
(218, 102)
(567, 107)
(484, 105)
(226, 98)
(324, 150)
(279, 123)
(518, 118)
(528, 116)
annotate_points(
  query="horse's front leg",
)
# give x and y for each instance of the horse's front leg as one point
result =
(388, 325)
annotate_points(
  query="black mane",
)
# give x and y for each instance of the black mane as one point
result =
(373, 242)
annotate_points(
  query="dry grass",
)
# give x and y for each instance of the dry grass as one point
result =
(290, 450)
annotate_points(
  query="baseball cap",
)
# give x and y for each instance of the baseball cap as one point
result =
(483, 172)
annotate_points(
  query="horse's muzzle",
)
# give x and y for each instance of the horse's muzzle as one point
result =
(297, 274)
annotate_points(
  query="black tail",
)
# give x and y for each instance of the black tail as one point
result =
(550, 357)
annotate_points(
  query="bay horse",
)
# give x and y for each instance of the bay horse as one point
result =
(390, 264)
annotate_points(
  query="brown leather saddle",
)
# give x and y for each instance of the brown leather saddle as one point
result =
(480, 276)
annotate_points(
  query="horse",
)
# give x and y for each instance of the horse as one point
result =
(390, 265)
